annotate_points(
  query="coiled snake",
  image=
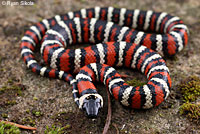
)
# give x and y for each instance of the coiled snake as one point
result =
(118, 45)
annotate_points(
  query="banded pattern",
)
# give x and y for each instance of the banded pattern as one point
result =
(145, 60)
(91, 27)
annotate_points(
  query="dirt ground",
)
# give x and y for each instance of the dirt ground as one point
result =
(32, 100)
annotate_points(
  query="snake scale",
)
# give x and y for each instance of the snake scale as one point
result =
(123, 38)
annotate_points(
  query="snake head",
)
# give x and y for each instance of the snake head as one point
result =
(92, 103)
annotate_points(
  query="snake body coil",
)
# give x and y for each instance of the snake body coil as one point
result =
(118, 45)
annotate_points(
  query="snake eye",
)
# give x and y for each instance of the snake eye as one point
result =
(91, 97)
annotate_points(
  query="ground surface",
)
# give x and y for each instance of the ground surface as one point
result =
(29, 99)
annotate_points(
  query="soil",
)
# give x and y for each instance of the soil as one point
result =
(29, 99)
